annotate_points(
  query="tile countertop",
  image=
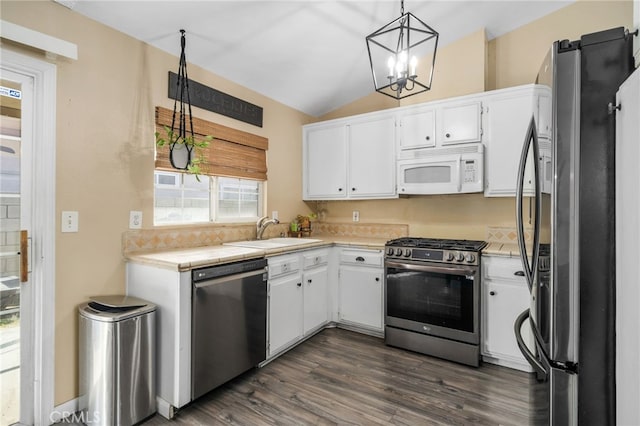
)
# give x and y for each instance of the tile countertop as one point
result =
(503, 249)
(187, 259)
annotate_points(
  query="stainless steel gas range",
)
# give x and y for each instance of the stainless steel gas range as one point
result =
(432, 297)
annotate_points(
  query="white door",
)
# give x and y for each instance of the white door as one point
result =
(315, 284)
(372, 165)
(285, 312)
(27, 207)
(361, 296)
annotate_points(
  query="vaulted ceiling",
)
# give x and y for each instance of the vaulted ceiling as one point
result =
(308, 54)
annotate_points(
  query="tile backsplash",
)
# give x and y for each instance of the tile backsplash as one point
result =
(361, 230)
(173, 238)
(507, 235)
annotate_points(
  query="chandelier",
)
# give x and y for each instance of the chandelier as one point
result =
(395, 51)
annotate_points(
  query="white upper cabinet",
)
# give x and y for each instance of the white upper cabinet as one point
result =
(508, 114)
(372, 165)
(325, 161)
(417, 128)
(350, 159)
(439, 124)
(461, 123)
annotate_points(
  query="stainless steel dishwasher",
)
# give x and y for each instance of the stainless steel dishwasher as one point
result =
(229, 322)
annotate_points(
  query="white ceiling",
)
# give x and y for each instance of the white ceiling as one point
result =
(310, 55)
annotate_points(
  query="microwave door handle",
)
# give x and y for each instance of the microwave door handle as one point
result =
(458, 172)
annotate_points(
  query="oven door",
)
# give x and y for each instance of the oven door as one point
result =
(430, 298)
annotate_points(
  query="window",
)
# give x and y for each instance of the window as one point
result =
(180, 199)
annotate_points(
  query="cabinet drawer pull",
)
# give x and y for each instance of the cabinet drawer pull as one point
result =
(519, 273)
(309, 281)
(353, 189)
(359, 259)
(428, 137)
(339, 189)
(448, 135)
(492, 293)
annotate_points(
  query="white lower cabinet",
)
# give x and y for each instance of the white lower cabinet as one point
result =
(505, 295)
(285, 312)
(297, 297)
(360, 289)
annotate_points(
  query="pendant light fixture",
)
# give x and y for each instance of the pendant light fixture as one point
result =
(402, 55)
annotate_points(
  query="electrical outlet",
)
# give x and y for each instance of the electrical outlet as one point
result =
(135, 219)
(356, 216)
(69, 222)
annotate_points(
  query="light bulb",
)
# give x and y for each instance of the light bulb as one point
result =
(414, 64)
(391, 63)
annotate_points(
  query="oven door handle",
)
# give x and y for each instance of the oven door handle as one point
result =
(425, 268)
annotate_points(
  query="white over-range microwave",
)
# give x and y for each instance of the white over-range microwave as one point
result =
(442, 171)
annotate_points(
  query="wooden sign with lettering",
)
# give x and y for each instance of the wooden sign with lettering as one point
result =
(216, 101)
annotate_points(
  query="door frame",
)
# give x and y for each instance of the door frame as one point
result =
(41, 307)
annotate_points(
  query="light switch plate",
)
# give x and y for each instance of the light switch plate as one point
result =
(135, 219)
(69, 221)
(356, 216)
(274, 214)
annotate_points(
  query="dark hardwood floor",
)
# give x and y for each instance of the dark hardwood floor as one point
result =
(342, 377)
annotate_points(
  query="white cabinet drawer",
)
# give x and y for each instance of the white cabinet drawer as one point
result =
(361, 257)
(315, 258)
(283, 265)
(503, 268)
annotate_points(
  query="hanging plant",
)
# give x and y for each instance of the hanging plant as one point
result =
(180, 138)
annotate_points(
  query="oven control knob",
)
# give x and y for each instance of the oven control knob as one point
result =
(407, 252)
(390, 251)
(459, 257)
(450, 256)
(470, 257)
(398, 252)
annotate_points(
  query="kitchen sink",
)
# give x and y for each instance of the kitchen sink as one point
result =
(273, 243)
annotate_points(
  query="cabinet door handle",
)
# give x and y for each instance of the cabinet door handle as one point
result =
(339, 189)
(492, 293)
(428, 137)
(377, 279)
(359, 259)
(299, 284)
(448, 135)
(519, 273)
(353, 189)
(309, 281)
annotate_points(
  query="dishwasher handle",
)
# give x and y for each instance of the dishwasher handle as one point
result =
(228, 278)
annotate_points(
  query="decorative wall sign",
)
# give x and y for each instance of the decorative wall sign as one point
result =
(216, 101)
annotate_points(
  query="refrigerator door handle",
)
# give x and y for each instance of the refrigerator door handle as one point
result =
(541, 372)
(531, 140)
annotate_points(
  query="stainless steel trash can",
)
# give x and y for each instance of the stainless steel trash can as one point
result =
(116, 360)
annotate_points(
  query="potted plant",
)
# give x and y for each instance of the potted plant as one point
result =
(181, 149)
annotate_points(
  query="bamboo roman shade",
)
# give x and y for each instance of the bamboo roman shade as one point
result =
(231, 152)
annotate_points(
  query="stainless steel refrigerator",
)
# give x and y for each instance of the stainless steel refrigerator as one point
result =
(571, 271)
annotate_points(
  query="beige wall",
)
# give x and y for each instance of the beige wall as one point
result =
(105, 143)
(105, 146)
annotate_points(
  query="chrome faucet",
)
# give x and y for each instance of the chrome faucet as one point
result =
(262, 224)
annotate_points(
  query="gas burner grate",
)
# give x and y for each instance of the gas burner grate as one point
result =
(437, 243)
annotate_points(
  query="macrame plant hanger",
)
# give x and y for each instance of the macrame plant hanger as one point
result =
(182, 135)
